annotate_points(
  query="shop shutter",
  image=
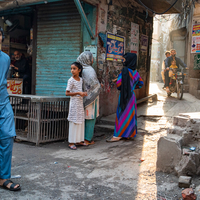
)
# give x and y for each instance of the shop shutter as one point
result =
(58, 45)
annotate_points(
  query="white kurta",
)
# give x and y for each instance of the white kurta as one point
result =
(76, 116)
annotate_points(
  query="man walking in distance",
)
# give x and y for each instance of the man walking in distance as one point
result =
(7, 125)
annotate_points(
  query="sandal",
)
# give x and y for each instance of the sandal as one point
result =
(81, 144)
(88, 142)
(12, 187)
(113, 140)
(72, 147)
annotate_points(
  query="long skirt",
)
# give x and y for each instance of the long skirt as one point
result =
(76, 132)
(126, 121)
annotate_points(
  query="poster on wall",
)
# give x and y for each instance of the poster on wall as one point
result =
(195, 48)
(93, 50)
(115, 47)
(134, 46)
(144, 43)
(14, 86)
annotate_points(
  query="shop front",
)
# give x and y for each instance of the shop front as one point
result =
(18, 44)
(48, 38)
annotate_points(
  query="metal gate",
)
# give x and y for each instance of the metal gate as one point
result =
(58, 45)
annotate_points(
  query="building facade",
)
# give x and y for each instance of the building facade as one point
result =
(57, 31)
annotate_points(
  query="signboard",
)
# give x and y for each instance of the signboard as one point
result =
(93, 50)
(144, 43)
(14, 86)
(115, 47)
(134, 46)
(195, 48)
(197, 61)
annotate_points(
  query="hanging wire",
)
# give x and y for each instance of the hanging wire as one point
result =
(155, 11)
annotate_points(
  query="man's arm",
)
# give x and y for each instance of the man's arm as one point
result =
(22, 68)
(181, 63)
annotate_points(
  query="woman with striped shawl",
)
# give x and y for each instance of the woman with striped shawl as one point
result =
(126, 115)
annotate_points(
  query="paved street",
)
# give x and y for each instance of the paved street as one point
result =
(103, 170)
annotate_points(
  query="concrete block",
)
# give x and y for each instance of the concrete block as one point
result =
(194, 86)
(186, 138)
(175, 130)
(168, 154)
(180, 121)
(188, 194)
(184, 181)
(186, 166)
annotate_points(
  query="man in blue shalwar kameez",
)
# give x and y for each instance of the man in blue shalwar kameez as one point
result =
(7, 125)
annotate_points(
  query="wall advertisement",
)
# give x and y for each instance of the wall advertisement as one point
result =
(115, 47)
(195, 48)
(144, 43)
(14, 86)
(134, 45)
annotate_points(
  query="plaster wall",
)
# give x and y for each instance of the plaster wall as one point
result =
(117, 20)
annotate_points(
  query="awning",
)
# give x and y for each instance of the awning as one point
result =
(11, 4)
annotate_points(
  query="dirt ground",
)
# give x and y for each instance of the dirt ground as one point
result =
(103, 170)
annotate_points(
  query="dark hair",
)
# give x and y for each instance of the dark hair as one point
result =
(3, 36)
(173, 61)
(79, 66)
(167, 52)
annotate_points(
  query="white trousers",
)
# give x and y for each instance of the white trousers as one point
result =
(76, 132)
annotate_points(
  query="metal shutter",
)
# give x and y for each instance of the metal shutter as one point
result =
(58, 45)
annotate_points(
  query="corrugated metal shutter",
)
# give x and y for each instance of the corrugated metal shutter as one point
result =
(58, 45)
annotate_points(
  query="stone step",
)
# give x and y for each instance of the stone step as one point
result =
(104, 127)
(107, 121)
(180, 121)
(175, 130)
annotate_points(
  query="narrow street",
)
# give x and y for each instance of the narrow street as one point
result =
(103, 170)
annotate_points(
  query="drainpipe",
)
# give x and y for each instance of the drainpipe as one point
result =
(83, 16)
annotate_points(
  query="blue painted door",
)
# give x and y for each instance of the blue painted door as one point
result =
(58, 45)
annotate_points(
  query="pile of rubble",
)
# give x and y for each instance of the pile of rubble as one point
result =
(179, 151)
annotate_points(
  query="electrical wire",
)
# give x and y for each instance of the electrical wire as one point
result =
(155, 11)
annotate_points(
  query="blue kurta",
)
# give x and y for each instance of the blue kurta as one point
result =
(7, 125)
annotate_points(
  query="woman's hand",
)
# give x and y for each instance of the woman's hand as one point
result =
(83, 94)
(114, 80)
